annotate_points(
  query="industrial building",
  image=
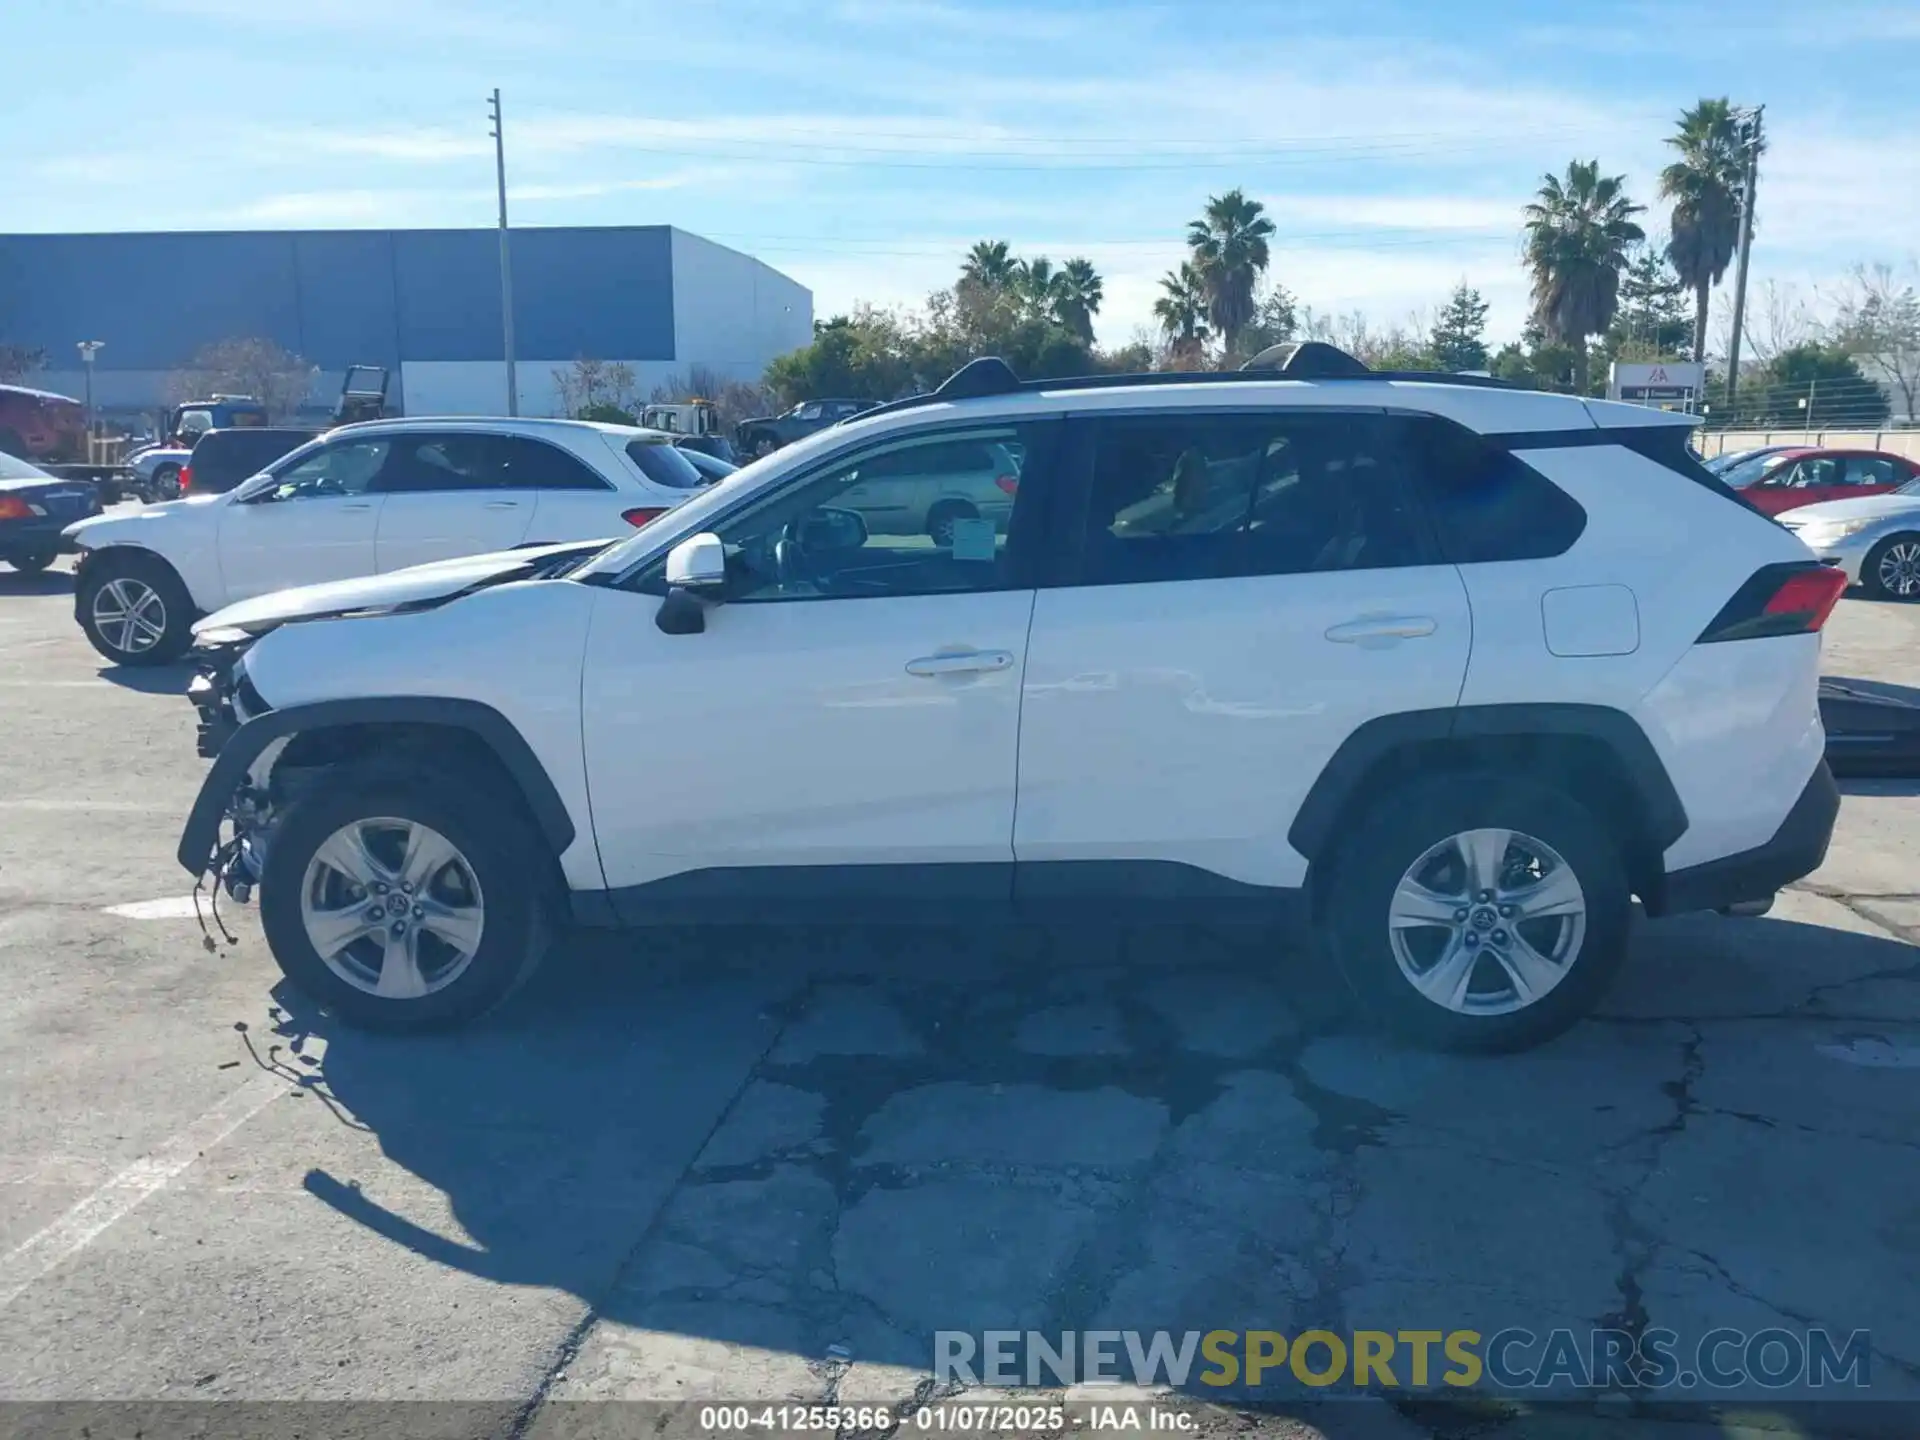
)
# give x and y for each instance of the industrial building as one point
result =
(426, 304)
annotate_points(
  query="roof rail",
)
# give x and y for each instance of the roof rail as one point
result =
(1296, 360)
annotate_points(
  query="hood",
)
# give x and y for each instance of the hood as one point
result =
(126, 525)
(415, 587)
(1867, 507)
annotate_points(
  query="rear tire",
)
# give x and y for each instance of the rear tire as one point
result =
(1891, 570)
(477, 920)
(1452, 959)
(940, 521)
(134, 609)
(166, 482)
(31, 562)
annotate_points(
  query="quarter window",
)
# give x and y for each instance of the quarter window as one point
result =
(664, 464)
(1208, 497)
(1486, 503)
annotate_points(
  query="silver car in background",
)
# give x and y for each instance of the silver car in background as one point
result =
(1875, 539)
(982, 478)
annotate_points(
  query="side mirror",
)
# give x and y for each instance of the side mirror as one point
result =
(696, 575)
(698, 562)
(831, 529)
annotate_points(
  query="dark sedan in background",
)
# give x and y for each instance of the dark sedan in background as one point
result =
(34, 508)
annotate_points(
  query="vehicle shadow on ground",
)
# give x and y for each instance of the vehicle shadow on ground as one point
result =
(835, 1144)
(149, 679)
(47, 582)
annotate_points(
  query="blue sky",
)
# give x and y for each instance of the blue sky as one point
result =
(860, 145)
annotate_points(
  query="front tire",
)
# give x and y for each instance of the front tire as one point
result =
(1473, 912)
(134, 610)
(405, 902)
(1891, 570)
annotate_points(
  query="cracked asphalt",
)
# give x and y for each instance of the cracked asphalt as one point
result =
(770, 1165)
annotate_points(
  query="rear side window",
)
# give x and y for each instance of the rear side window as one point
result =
(1198, 497)
(663, 464)
(1486, 503)
(451, 461)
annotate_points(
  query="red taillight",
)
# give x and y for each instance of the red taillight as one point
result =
(1009, 484)
(186, 478)
(1787, 599)
(12, 507)
(1807, 597)
(642, 516)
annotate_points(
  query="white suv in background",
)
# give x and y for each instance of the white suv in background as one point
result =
(1441, 671)
(365, 499)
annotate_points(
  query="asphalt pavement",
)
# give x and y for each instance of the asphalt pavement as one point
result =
(772, 1165)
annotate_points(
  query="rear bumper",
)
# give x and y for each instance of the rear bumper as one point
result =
(1796, 849)
(19, 537)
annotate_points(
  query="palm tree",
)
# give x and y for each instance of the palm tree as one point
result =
(1577, 235)
(1038, 283)
(1229, 243)
(1182, 311)
(989, 265)
(1077, 297)
(1705, 186)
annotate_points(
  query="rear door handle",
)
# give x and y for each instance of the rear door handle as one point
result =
(963, 662)
(355, 509)
(503, 504)
(1385, 627)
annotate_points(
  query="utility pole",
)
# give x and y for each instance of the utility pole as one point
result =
(1746, 252)
(88, 349)
(506, 259)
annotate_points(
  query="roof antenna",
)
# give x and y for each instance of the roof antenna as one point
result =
(1307, 360)
(989, 375)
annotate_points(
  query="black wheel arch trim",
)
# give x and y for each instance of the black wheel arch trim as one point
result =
(1320, 813)
(200, 835)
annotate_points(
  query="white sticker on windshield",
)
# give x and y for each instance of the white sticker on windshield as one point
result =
(973, 540)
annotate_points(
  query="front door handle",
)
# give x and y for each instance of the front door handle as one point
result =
(1383, 627)
(503, 504)
(354, 509)
(963, 662)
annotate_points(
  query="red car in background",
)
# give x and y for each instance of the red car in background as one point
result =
(1807, 475)
(39, 425)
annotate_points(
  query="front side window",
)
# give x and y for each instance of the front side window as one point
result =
(809, 411)
(1209, 497)
(902, 519)
(346, 468)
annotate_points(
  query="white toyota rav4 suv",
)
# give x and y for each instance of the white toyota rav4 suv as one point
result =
(361, 500)
(1445, 672)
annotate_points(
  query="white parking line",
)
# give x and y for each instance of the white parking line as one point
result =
(125, 807)
(82, 1224)
(174, 907)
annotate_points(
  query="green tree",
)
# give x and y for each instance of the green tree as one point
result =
(1652, 322)
(1578, 232)
(867, 355)
(1458, 340)
(1078, 293)
(1813, 385)
(1229, 244)
(990, 265)
(1038, 283)
(1705, 185)
(1276, 320)
(1182, 313)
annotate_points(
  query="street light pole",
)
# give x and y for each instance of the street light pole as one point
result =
(1746, 249)
(506, 261)
(88, 349)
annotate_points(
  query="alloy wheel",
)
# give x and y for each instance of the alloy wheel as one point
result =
(130, 615)
(1899, 570)
(392, 907)
(1487, 922)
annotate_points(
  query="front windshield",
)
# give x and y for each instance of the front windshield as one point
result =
(1751, 470)
(1912, 487)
